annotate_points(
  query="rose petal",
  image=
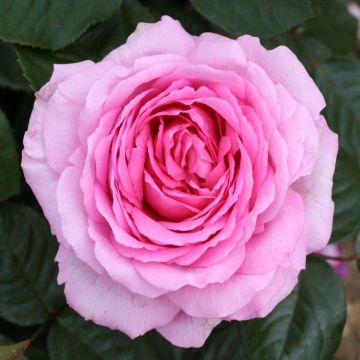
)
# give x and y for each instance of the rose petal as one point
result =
(283, 67)
(107, 303)
(316, 189)
(152, 39)
(187, 331)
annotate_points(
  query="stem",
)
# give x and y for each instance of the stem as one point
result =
(50, 319)
(339, 258)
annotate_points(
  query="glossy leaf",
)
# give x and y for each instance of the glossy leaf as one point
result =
(254, 17)
(333, 25)
(10, 351)
(9, 162)
(28, 289)
(71, 337)
(97, 42)
(340, 84)
(224, 343)
(51, 24)
(306, 325)
(37, 64)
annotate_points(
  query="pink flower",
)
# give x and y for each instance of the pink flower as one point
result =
(186, 179)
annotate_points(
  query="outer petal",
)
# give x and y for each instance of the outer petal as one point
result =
(173, 277)
(167, 36)
(73, 217)
(316, 189)
(218, 51)
(284, 281)
(107, 303)
(187, 331)
(38, 175)
(283, 67)
(220, 299)
(61, 72)
(270, 248)
(265, 300)
(61, 119)
(120, 269)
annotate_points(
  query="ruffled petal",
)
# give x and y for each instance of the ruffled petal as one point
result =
(316, 189)
(166, 36)
(187, 331)
(107, 303)
(283, 67)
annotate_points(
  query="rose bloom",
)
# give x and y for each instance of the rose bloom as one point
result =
(186, 179)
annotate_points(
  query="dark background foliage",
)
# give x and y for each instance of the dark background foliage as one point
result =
(35, 322)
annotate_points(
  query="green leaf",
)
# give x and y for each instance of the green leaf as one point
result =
(9, 351)
(71, 337)
(333, 25)
(10, 72)
(37, 64)
(104, 37)
(306, 325)
(97, 42)
(9, 163)
(189, 18)
(14, 333)
(224, 343)
(28, 289)
(346, 194)
(153, 346)
(339, 82)
(51, 24)
(255, 17)
(36, 353)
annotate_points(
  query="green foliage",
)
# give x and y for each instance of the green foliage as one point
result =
(255, 17)
(224, 343)
(96, 342)
(9, 163)
(71, 337)
(306, 325)
(339, 81)
(333, 25)
(50, 24)
(28, 289)
(37, 64)
(10, 351)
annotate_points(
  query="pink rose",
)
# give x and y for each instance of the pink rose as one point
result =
(186, 179)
